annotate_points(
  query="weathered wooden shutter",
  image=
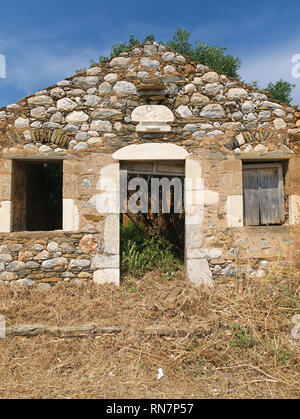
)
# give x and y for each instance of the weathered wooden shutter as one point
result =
(263, 194)
(271, 196)
(251, 197)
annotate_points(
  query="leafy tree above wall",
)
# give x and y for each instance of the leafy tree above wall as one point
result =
(280, 90)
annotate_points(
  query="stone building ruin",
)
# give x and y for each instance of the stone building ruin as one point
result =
(149, 106)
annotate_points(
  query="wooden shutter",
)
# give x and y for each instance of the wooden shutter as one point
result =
(271, 196)
(251, 197)
(263, 194)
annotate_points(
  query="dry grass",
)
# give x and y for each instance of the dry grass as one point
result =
(245, 351)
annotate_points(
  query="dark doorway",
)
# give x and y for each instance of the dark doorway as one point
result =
(153, 216)
(170, 224)
(37, 195)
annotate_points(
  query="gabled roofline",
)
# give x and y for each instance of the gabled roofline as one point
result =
(190, 61)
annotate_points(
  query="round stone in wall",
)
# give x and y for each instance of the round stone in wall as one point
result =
(104, 88)
(102, 126)
(66, 104)
(52, 247)
(39, 112)
(150, 64)
(168, 56)
(120, 62)
(184, 112)
(77, 117)
(57, 93)
(190, 88)
(210, 77)
(45, 149)
(237, 94)
(248, 106)
(91, 100)
(264, 115)
(279, 124)
(80, 146)
(199, 99)
(124, 88)
(22, 123)
(42, 100)
(213, 111)
(94, 71)
(88, 81)
(111, 77)
(212, 89)
(237, 115)
(57, 117)
(150, 50)
(16, 266)
(169, 69)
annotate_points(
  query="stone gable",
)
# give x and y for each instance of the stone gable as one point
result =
(92, 109)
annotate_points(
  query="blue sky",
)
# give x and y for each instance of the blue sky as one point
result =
(43, 42)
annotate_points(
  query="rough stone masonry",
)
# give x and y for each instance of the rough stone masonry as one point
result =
(91, 121)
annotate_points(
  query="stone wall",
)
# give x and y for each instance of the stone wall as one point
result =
(85, 118)
(89, 236)
(230, 247)
(26, 258)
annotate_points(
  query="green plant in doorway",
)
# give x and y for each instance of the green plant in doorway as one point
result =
(141, 254)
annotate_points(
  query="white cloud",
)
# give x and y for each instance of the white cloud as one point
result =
(38, 67)
(36, 60)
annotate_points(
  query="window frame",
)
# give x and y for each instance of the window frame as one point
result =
(37, 160)
(264, 165)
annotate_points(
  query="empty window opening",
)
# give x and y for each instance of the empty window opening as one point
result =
(37, 190)
(263, 194)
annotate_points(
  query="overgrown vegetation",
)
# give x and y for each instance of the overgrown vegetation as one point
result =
(140, 254)
(120, 47)
(280, 90)
(212, 56)
(242, 337)
(239, 343)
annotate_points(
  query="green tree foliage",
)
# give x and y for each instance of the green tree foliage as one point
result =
(281, 90)
(180, 42)
(211, 56)
(120, 47)
(149, 38)
(117, 49)
(101, 59)
(255, 85)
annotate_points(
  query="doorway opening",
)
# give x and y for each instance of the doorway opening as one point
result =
(152, 216)
(37, 195)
